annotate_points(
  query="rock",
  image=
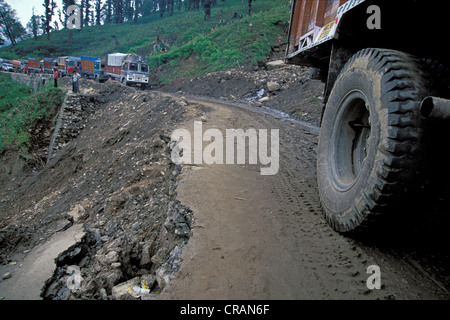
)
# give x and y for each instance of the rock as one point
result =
(7, 276)
(112, 257)
(275, 64)
(273, 86)
(77, 212)
(103, 294)
(160, 257)
(146, 255)
(107, 259)
(148, 280)
(265, 99)
(120, 291)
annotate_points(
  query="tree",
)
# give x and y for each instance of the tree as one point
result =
(10, 26)
(33, 25)
(87, 12)
(118, 11)
(107, 7)
(49, 6)
(196, 4)
(137, 9)
(148, 7)
(170, 5)
(98, 12)
(250, 7)
(162, 7)
(207, 7)
(128, 10)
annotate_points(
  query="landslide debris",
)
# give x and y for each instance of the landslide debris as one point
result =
(287, 88)
(110, 171)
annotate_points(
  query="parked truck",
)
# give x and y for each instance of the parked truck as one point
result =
(61, 64)
(130, 69)
(93, 68)
(49, 64)
(35, 65)
(386, 75)
(72, 63)
(18, 65)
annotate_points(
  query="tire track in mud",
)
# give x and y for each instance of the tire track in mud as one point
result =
(335, 258)
(305, 258)
(327, 264)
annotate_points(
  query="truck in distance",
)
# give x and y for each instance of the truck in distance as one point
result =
(129, 69)
(93, 68)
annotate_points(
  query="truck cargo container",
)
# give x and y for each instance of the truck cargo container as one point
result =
(17, 65)
(49, 64)
(35, 65)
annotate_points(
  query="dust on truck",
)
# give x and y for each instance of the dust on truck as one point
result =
(130, 69)
(385, 69)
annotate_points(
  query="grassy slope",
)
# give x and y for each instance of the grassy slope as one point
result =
(21, 109)
(215, 44)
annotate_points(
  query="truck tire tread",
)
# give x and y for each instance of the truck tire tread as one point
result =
(405, 82)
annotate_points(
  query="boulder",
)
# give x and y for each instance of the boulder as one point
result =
(273, 86)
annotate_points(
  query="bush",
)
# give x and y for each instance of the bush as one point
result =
(21, 109)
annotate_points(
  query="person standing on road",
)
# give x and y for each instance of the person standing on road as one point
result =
(56, 76)
(75, 77)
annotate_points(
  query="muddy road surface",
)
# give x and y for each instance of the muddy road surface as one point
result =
(264, 237)
(195, 230)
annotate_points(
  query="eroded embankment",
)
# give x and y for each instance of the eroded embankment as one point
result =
(110, 172)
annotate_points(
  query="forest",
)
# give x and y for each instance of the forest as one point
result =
(92, 12)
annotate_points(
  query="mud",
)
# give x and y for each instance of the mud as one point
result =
(198, 231)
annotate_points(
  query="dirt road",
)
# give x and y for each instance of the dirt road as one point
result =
(195, 231)
(264, 237)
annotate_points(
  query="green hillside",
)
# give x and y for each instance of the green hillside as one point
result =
(218, 43)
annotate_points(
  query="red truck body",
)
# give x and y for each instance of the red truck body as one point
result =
(314, 22)
(34, 65)
(113, 70)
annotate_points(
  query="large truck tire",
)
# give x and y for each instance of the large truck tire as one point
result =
(370, 144)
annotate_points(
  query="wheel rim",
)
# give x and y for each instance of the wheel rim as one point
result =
(350, 140)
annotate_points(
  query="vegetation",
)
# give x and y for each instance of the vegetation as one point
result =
(230, 37)
(183, 44)
(21, 109)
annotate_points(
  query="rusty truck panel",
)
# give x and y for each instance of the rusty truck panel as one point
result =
(314, 22)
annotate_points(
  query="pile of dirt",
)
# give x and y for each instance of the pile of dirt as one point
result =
(287, 88)
(115, 176)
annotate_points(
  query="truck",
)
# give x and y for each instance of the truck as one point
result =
(35, 65)
(18, 65)
(386, 75)
(61, 64)
(130, 69)
(72, 63)
(49, 64)
(94, 68)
